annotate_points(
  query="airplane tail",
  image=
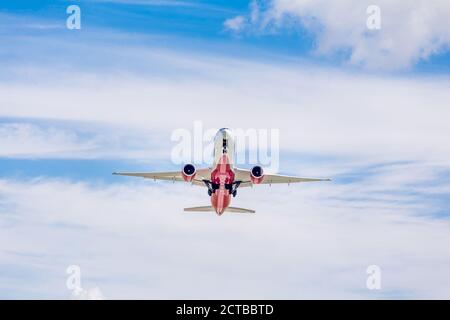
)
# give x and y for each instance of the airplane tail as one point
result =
(211, 209)
(239, 210)
(200, 209)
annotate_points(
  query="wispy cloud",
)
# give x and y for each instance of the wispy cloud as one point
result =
(21, 139)
(410, 31)
(339, 227)
(193, 4)
(235, 24)
(53, 139)
(152, 2)
(383, 140)
(360, 116)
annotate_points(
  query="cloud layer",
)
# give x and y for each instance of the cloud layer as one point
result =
(132, 240)
(359, 117)
(410, 30)
(382, 139)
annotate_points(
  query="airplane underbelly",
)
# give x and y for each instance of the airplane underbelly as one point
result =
(221, 177)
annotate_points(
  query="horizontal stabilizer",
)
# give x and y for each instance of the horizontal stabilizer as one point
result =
(200, 209)
(239, 210)
(211, 209)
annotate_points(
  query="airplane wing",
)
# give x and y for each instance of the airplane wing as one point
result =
(244, 176)
(170, 175)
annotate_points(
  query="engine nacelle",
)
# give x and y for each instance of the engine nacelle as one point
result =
(257, 175)
(188, 172)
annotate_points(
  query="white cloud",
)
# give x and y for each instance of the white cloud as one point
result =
(235, 24)
(24, 139)
(318, 111)
(134, 241)
(241, 22)
(306, 241)
(410, 30)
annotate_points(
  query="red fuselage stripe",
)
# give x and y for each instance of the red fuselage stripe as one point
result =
(221, 175)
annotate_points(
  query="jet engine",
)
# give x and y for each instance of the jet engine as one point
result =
(256, 175)
(188, 172)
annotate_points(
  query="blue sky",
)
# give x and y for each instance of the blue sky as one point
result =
(195, 25)
(367, 108)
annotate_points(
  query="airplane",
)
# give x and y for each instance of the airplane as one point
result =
(222, 179)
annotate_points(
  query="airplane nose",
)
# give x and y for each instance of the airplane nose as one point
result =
(225, 133)
(220, 211)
